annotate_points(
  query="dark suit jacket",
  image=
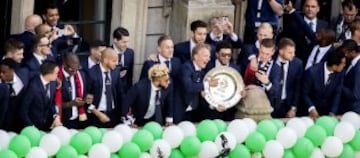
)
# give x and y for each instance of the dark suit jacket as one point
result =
(323, 59)
(33, 65)
(227, 38)
(127, 80)
(138, 97)
(351, 90)
(37, 109)
(4, 97)
(175, 64)
(326, 99)
(95, 87)
(182, 51)
(298, 30)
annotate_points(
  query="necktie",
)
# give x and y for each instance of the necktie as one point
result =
(158, 112)
(311, 25)
(330, 78)
(282, 64)
(47, 88)
(316, 56)
(68, 81)
(108, 92)
(167, 63)
(11, 89)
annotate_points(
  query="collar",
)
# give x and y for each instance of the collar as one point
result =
(153, 87)
(103, 69)
(327, 71)
(192, 45)
(43, 81)
(257, 44)
(197, 68)
(16, 78)
(66, 74)
(325, 47)
(280, 60)
(39, 57)
(217, 63)
(355, 60)
(163, 59)
(307, 20)
(92, 61)
(118, 50)
(216, 38)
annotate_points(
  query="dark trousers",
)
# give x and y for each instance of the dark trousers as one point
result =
(94, 121)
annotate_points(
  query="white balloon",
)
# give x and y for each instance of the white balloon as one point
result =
(239, 129)
(286, 137)
(308, 121)
(345, 131)
(353, 118)
(145, 155)
(227, 137)
(160, 148)
(208, 150)
(12, 134)
(173, 135)
(332, 146)
(99, 150)
(73, 132)
(36, 152)
(125, 131)
(298, 126)
(50, 143)
(113, 140)
(357, 154)
(5, 139)
(251, 124)
(82, 156)
(273, 149)
(62, 133)
(188, 128)
(317, 154)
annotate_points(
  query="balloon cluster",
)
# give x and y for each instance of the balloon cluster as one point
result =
(241, 138)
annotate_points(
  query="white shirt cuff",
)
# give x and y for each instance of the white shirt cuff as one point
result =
(251, 57)
(311, 108)
(169, 119)
(206, 85)
(189, 108)
(268, 87)
(292, 11)
(234, 37)
(91, 107)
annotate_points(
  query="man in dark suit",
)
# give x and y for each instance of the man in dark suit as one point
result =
(125, 56)
(351, 90)
(31, 22)
(301, 27)
(96, 47)
(183, 50)
(70, 98)
(193, 84)
(4, 96)
(325, 39)
(106, 87)
(223, 57)
(38, 106)
(14, 49)
(151, 98)
(323, 84)
(17, 81)
(267, 73)
(41, 52)
(291, 74)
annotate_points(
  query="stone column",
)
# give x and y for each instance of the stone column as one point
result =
(20, 10)
(186, 11)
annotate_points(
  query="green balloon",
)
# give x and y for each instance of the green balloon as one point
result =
(255, 142)
(347, 152)
(328, 123)
(268, 129)
(81, 142)
(221, 125)
(129, 150)
(155, 129)
(303, 148)
(114, 156)
(176, 153)
(144, 139)
(94, 133)
(207, 130)
(240, 150)
(288, 154)
(355, 142)
(20, 145)
(7, 154)
(66, 152)
(190, 146)
(103, 131)
(316, 134)
(33, 134)
(278, 123)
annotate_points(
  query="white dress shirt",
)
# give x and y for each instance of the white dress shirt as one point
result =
(217, 63)
(314, 22)
(322, 52)
(39, 58)
(192, 45)
(74, 109)
(286, 69)
(353, 63)
(121, 62)
(151, 109)
(162, 61)
(103, 101)
(44, 83)
(18, 85)
(91, 63)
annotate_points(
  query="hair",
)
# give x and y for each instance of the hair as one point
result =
(47, 67)
(163, 38)
(329, 36)
(349, 45)
(223, 45)
(12, 64)
(12, 45)
(284, 42)
(197, 48)
(355, 25)
(335, 57)
(50, 6)
(266, 25)
(268, 43)
(39, 27)
(348, 4)
(157, 71)
(196, 24)
(120, 32)
(36, 39)
(70, 56)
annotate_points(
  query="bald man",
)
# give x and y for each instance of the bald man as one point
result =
(106, 87)
(31, 22)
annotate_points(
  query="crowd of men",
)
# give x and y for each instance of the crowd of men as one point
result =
(309, 67)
